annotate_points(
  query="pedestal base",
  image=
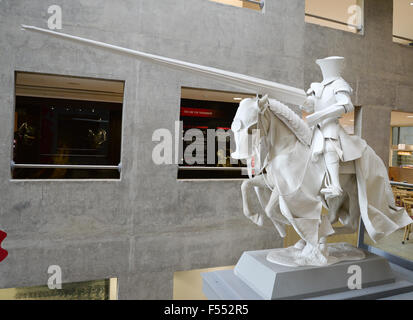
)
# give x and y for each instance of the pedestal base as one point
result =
(273, 281)
(255, 277)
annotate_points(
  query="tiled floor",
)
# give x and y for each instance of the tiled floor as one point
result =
(187, 285)
(393, 244)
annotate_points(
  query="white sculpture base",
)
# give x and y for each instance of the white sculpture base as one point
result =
(293, 257)
(272, 281)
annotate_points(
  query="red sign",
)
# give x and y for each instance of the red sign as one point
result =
(197, 112)
(3, 253)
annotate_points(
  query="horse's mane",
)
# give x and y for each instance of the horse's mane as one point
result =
(297, 125)
(264, 147)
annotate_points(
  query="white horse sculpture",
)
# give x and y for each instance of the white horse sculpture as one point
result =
(288, 177)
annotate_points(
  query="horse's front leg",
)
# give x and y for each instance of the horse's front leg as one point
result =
(247, 190)
(267, 199)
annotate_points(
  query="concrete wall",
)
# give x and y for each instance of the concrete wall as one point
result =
(148, 225)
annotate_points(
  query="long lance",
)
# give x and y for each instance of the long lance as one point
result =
(275, 90)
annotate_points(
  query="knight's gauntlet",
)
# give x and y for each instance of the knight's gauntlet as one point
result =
(308, 105)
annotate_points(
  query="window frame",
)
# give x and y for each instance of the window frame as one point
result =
(358, 31)
(251, 4)
(400, 39)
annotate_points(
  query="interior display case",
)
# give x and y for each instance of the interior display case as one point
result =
(65, 132)
(66, 127)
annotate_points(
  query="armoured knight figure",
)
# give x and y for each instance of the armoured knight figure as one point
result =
(328, 101)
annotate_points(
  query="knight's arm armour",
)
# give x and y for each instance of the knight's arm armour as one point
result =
(343, 99)
(308, 105)
(342, 92)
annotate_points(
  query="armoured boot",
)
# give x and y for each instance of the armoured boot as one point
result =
(332, 161)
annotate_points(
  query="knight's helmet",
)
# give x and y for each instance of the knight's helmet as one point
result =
(244, 121)
(331, 66)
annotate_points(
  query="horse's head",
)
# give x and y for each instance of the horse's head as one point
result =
(277, 124)
(244, 127)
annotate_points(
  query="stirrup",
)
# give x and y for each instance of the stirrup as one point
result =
(331, 192)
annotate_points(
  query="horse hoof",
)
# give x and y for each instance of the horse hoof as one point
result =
(300, 244)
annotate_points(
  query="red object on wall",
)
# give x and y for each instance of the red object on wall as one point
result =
(3, 253)
(198, 112)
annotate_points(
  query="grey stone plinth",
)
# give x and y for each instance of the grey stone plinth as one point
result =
(272, 281)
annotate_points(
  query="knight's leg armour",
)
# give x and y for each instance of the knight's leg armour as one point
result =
(332, 161)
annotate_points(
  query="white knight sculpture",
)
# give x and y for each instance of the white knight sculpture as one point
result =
(329, 100)
(301, 167)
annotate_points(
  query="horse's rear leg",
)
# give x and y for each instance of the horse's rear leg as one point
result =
(271, 211)
(351, 223)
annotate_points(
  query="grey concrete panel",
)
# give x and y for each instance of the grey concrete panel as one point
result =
(375, 129)
(79, 261)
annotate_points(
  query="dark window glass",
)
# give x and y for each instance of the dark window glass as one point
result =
(66, 132)
(204, 115)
